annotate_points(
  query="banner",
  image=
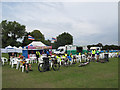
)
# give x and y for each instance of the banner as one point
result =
(40, 47)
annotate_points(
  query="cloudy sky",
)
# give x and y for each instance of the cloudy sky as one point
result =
(88, 22)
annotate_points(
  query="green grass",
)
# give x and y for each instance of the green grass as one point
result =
(94, 75)
(5, 55)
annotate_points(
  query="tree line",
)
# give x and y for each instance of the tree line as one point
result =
(105, 47)
(13, 32)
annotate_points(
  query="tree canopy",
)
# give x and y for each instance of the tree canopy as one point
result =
(38, 37)
(105, 47)
(11, 31)
(26, 41)
(63, 39)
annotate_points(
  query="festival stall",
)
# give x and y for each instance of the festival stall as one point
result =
(33, 47)
(9, 49)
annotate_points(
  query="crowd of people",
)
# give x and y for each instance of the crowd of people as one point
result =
(93, 55)
(23, 62)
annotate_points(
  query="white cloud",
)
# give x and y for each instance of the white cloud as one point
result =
(0, 11)
(60, 0)
(87, 22)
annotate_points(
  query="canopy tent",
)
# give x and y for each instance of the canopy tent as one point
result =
(33, 47)
(36, 43)
(20, 47)
(15, 47)
(9, 47)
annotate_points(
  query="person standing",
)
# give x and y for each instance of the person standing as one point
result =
(93, 55)
(66, 54)
(47, 53)
(97, 52)
(69, 59)
(37, 55)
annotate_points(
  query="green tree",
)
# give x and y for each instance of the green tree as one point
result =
(26, 41)
(89, 46)
(37, 35)
(0, 36)
(47, 42)
(55, 45)
(106, 47)
(40, 37)
(111, 47)
(11, 31)
(99, 45)
(63, 39)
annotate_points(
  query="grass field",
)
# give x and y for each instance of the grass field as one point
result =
(94, 75)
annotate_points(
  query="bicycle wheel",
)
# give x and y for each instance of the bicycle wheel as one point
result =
(42, 67)
(56, 66)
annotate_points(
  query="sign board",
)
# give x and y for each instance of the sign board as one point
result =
(40, 47)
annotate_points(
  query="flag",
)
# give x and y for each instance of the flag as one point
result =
(30, 37)
(54, 39)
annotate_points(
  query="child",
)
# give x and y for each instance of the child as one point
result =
(26, 65)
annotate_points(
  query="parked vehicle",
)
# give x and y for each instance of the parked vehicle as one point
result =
(74, 49)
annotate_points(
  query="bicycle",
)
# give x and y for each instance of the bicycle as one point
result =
(46, 65)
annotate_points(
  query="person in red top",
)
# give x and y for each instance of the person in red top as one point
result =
(19, 55)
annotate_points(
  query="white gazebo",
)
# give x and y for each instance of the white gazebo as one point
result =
(36, 43)
(9, 47)
(20, 47)
(15, 47)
